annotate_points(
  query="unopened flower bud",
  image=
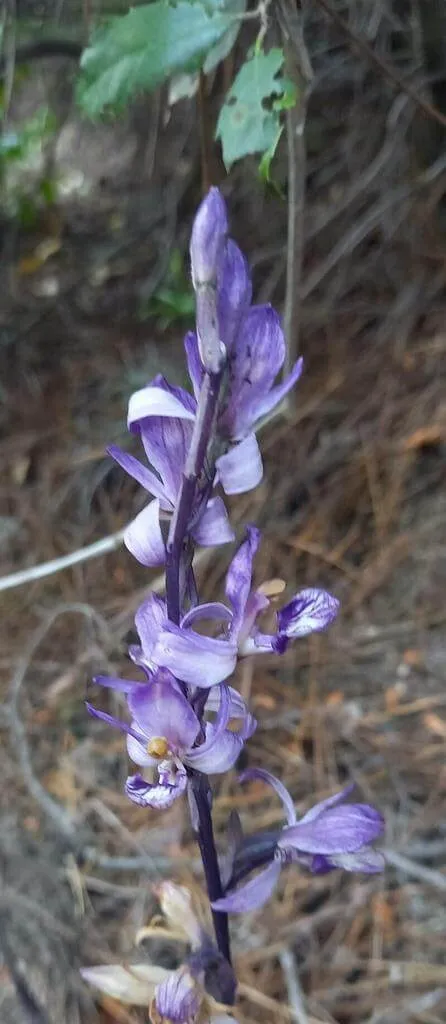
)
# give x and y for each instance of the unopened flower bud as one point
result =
(176, 905)
(208, 239)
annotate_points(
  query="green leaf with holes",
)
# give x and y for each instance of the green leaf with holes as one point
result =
(137, 52)
(249, 121)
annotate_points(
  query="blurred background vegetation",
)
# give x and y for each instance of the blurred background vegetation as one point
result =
(345, 230)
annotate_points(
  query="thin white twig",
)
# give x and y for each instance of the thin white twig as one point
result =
(289, 968)
(38, 572)
(418, 871)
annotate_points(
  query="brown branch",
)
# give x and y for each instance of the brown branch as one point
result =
(427, 108)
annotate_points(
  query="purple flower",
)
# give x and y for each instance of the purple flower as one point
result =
(178, 999)
(205, 661)
(332, 834)
(165, 734)
(163, 417)
(208, 239)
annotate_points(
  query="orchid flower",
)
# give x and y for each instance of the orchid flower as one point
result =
(165, 734)
(204, 661)
(332, 834)
(163, 417)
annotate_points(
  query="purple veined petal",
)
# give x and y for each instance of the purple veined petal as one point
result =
(199, 660)
(140, 473)
(234, 293)
(309, 611)
(261, 406)
(342, 829)
(239, 577)
(241, 469)
(178, 998)
(208, 238)
(166, 441)
(212, 610)
(282, 792)
(161, 710)
(213, 527)
(155, 401)
(369, 861)
(157, 795)
(250, 640)
(143, 536)
(324, 805)
(194, 364)
(219, 752)
(150, 620)
(256, 359)
(115, 683)
(253, 894)
(117, 723)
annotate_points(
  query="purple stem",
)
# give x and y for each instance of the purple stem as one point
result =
(206, 842)
(176, 571)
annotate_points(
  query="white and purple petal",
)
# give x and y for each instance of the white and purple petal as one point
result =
(234, 293)
(239, 577)
(208, 238)
(143, 536)
(160, 710)
(160, 795)
(260, 406)
(158, 401)
(199, 660)
(150, 620)
(213, 526)
(252, 894)
(342, 829)
(241, 469)
(277, 785)
(140, 473)
(309, 611)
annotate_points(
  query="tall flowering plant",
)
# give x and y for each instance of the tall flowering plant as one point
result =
(185, 721)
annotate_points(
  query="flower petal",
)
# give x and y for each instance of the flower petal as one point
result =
(208, 237)
(368, 860)
(218, 754)
(213, 526)
(282, 792)
(330, 801)
(194, 365)
(135, 469)
(114, 683)
(211, 610)
(195, 659)
(116, 723)
(239, 577)
(150, 620)
(256, 359)
(156, 401)
(133, 984)
(262, 406)
(166, 442)
(241, 469)
(161, 710)
(158, 795)
(251, 895)
(342, 829)
(309, 611)
(234, 293)
(143, 536)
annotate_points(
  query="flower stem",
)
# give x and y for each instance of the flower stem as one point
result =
(206, 842)
(201, 436)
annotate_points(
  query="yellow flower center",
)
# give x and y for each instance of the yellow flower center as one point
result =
(158, 747)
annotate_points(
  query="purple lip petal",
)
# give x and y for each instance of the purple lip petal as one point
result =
(239, 576)
(160, 710)
(143, 537)
(241, 469)
(199, 660)
(135, 469)
(309, 611)
(150, 620)
(178, 998)
(156, 795)
(263, 406)
(253, 894)
(282, 792)
(154, 401)
(213, 527)
(342, 829)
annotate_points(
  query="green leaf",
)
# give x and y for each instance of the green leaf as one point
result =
(267, 158)
(138, 51)
(249, 121)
